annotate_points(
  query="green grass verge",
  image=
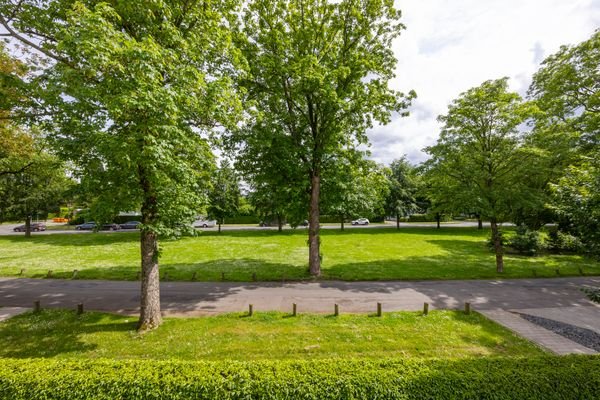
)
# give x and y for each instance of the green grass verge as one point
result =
(365, 254)
(273, 336)
(547, 378)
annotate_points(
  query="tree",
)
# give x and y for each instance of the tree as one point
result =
(567, 90)
(129, 87)
(319, 74)
(403, 188)
(479, 159)
(576, 200)
(224, 195)
(353, 188)
(35, 190)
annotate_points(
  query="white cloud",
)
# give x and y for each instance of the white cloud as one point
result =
(451, 46)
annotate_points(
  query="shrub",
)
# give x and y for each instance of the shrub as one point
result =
(592, 293)
(560, 241)
(526, 241)
(548, 377)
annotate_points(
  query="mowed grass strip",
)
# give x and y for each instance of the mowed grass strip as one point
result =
(354, 254)
(268, 336)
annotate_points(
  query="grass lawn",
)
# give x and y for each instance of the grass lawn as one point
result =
(355, 254)
(441, 334)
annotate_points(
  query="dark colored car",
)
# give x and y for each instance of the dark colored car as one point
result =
(88, 226)
(110, 227)
(130, 225)
(35, 227)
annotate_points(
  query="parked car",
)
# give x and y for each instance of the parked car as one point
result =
(91, 225)
(35, 227)
(110, 227)
(360, 221)
(204, 223)
(87, 226)
(130, 225)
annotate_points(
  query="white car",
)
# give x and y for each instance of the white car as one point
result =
(360, 221)
(204, 223)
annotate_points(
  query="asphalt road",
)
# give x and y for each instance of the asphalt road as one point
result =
(199, 298)
(7, 229)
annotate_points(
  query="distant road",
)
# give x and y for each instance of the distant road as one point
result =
(7, 229)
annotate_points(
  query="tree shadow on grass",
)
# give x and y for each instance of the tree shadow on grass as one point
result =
(86, 239)
(55, 332)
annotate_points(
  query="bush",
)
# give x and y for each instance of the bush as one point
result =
(560, 241)
(547, 377)
(592, 293)
(526, 241)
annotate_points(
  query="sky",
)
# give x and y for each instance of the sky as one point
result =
(449, 47)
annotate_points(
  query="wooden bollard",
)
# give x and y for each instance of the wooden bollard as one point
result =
(336, 310)
(379, 309)
(194, 275)
(254, 276)
(222, 276)
(250, 310)
(293, 309)
(425, 308)
(49, 275)
(75, 272)
(37, 306)
(79, 308)
(581, 271)
(467, 308)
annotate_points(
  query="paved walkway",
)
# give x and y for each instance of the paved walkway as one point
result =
(9, 312)
(543, 337)
(198, 298)
(559, 298)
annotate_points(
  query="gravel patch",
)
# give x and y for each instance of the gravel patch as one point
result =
(583, 336)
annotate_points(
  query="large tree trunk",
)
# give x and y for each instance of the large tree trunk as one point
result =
(397, 220)
(479, 222)
(438, 217)
(279, 223)
(219, 224)
(28, 226)
(150, 316)
(497, 245)
(314, 242)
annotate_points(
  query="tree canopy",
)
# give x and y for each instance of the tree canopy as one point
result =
(129, 87)
(318, 79)
(479, 160)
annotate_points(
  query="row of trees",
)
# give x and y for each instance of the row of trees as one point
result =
(486, 162)
(129, 93)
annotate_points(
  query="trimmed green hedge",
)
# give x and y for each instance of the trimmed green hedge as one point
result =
(550, 377)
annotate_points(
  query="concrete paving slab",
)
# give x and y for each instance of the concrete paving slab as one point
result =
(585, 317)
(9, 312)
(536, 334)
